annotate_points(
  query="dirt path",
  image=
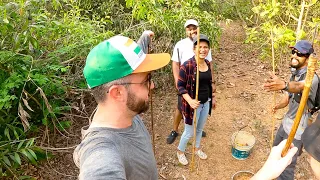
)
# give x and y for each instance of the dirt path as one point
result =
(241, 101)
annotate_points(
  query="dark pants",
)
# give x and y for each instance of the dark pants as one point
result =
(179, 102)
(288, 173)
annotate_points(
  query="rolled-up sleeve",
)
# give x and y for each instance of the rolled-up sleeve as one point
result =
(182, 80)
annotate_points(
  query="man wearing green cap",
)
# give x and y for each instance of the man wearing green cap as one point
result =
(117, 144)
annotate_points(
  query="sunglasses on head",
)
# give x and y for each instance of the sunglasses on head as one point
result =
(299, 54)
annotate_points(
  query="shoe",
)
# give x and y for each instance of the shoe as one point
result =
(182, 159)
(201, 154)
(204, 134)
(172, 137)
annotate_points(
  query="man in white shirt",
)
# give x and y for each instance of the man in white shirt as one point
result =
(182, 52)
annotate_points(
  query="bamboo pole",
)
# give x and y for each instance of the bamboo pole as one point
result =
(312, 61)
(196, 98)
(274, 93)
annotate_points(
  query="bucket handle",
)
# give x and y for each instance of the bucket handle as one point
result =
(245, 127)
(235, 137)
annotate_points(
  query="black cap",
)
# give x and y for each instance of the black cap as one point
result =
(311, 139)
(202, 38)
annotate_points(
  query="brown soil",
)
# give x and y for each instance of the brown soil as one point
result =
(241, 101)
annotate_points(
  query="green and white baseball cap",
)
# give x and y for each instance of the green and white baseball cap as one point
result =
(118, 57)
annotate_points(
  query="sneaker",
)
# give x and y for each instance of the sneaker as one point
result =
(204, 134)
(201, 154)
(172, 137)
(182, 159)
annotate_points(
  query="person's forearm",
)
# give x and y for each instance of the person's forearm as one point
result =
(260, 175)
(186, 97)
(295, 87)
(144, 42)
(283, 102)
(214, 88)
(212, 76)
(292, 86)
(175, 71)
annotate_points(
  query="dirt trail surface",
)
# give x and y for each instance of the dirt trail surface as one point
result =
(241, 101)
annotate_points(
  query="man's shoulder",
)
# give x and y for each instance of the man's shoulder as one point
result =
(316, 77)
(138, 120)
(182, 42)
(94, 141)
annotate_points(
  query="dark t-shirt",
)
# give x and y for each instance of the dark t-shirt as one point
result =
(204, 79)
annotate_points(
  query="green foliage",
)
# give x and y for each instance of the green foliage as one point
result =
(168, 17)
(36, 37)
(165, 18)
(281, 20)
(233, 9)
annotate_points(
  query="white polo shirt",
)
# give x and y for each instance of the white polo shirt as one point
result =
(185, 47)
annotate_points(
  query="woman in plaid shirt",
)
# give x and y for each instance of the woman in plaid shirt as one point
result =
(187, 87)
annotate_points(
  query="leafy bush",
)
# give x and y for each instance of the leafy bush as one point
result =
(41, 43)
(281, 19)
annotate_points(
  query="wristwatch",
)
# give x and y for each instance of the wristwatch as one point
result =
(286, 86)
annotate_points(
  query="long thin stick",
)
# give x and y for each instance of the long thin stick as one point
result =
(312, 61)
(274, 93)
(196, 98)
(151, 107)
(152, 124)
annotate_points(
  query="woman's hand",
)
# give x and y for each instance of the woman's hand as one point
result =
(214, 103)
(194, 103)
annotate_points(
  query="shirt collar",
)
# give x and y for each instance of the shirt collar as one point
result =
(298, 72)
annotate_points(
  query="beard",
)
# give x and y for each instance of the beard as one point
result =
(295, 64)
(191, 35)
(136, 104)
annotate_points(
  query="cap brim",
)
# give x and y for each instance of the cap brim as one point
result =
(190, 24)
(297, 48)
(153, 62)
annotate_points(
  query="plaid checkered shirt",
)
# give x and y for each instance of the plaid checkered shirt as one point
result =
(187, 84)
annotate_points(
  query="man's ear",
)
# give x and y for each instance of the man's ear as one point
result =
(117, 92)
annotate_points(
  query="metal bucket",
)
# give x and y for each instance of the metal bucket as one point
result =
(242, 143)
(242, 175)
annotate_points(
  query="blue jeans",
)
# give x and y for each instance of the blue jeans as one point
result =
(202, 116)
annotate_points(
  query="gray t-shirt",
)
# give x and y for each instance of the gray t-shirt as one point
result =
(107, 153)
(288, 119)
